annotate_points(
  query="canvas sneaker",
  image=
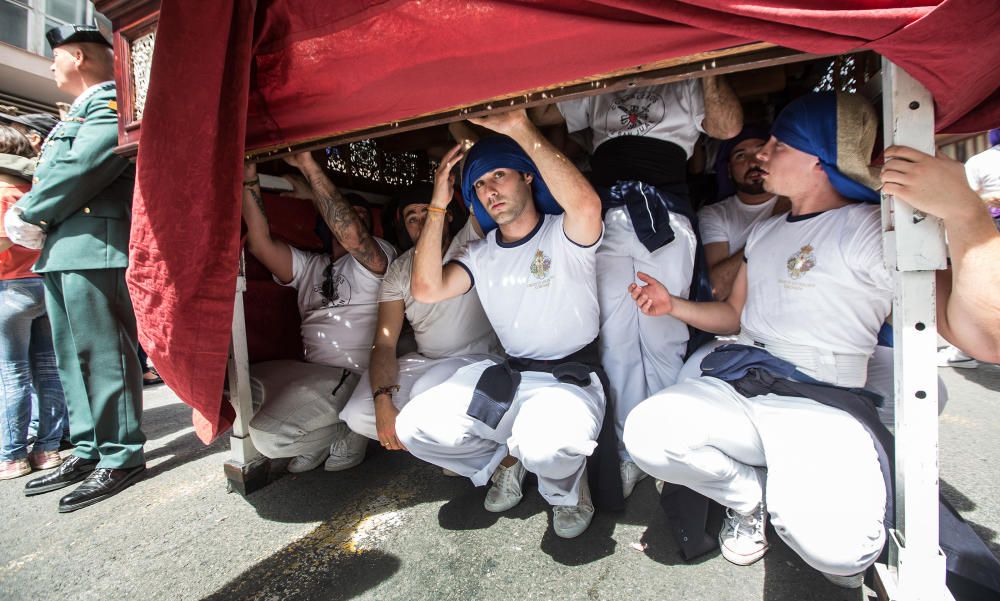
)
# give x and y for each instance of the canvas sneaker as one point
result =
(570, 521)
(43, 460)
(742, 539)
(308, 462)
(950, 356)
(631, 475)
(347, 451)
(506, 490)
(14, 468)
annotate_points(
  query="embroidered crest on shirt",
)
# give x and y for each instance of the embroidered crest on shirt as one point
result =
(801, 262)
(634, 114)
(540, 265)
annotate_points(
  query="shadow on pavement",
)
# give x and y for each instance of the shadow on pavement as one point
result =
(303, 572)
(964, 505)
(163, 420)
(986, 375)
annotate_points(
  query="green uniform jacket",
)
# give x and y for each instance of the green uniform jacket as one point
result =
(82, 191)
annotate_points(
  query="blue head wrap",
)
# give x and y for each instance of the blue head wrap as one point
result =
(725, 186)
(994, 137)
(496, 152)
(834, 128)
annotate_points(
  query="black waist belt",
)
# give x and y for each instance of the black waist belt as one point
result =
(656, 162)
(497, 386)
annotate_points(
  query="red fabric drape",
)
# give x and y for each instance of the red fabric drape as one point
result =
(186, 212)
(324, 67)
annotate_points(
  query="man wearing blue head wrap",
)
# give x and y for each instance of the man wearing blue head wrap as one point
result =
(542, 410)
(811, 297)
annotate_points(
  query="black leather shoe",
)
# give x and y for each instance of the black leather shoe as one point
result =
(72, 470)
(102, 483)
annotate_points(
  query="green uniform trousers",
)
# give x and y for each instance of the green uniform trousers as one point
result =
(93, 328)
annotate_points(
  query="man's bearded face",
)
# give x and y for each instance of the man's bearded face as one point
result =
(744, 166)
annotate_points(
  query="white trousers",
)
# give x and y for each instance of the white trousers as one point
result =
(816, 466)
(640, 354)
(360, 410)
(881, 374)
(299, 411)
(550, 427)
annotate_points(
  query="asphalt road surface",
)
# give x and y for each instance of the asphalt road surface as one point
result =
(395, 528)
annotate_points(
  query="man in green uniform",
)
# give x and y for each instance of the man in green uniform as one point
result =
(78, 213)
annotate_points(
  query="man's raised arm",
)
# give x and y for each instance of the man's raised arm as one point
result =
(568, 186)
(432, 282)
(340, 216)
(968, 304)
(274, 254)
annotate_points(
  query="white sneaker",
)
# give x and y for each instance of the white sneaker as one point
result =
(631, 475)
(347, 451)
(506, 490)
(742, 539)
(570, 521)
(950, 356)
(852, 581)
(305, 463)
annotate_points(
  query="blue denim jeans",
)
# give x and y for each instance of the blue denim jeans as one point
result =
(27, 364)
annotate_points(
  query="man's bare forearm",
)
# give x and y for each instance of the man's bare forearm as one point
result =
(723, 112)
(568, 186)
(428, 272)
(384, 367)
(715, 317)
(344, 221)
(723, 274)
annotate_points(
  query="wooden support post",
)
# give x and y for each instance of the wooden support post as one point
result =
(914, 248)
(246, 470)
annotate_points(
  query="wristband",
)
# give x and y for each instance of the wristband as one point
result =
(437, 210)
(389, 390)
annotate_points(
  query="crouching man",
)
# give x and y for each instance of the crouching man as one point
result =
(337, 295)
(542, 410)
(449, 334)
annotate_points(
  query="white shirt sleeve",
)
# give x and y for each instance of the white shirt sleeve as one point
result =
(300, 261)
(864, 249)
(711, 224)
(576, 113)
(395, 282)
(466, 258)
(696, 103)
(973, 175)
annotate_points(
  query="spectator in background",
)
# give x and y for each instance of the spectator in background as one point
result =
(35, 127)
(27, 359)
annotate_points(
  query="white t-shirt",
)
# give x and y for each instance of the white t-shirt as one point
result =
(819, 281)
(730, 220)
(671, 112)
(983, 173)
(540, 293)
(451, 328)
(338, 304)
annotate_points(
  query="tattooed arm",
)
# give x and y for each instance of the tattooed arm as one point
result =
(340, 216)
(274, 254)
